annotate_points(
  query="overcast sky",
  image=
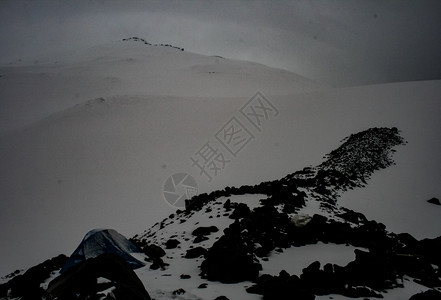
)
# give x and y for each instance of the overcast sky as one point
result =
(337, 42)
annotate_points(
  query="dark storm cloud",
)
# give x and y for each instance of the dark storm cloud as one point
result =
(338, 42)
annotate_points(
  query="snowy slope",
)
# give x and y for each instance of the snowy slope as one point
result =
(111, 125)
(184, 274)
(31, 91)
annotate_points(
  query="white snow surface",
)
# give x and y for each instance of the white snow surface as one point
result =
(88, 140)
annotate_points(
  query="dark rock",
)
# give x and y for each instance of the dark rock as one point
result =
(200, 238)
(407, 240)
(371, 269)
(27, 285)
(417, 267)
(179, 292)
(352, 216)
(289, 208)
(230, 259)
(80, 281)
(283, 286)
(318, 281)
(221, 298)
(312, 268)
(363, 277)
(281, 193)
(359, 292)
(185, 276)
(154, 251)
(158, 263)
(242, 210)
(202, 231)
(172, 244)
(434, 201)
(263, 251)
(227, 205)
(195, 252)
(430, 249)
(328, 268)
(202, 286)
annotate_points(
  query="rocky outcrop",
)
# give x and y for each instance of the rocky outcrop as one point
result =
(89, 280)
(284, 286)
(278, 224)
(229, 260)
(27, 285)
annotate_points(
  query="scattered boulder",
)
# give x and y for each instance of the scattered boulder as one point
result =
(179, 292)
(158, 263)
(434, 201)
(171, 244)
(202, 231)
(154, 251)
(195, 252)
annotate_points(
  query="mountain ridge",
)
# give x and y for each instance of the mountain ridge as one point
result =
(234, 255)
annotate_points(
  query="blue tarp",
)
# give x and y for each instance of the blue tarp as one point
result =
(101, 241)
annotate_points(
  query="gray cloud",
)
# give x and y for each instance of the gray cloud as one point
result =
(337, 42)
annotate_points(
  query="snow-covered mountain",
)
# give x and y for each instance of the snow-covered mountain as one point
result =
(88, 141)
(240, 243)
